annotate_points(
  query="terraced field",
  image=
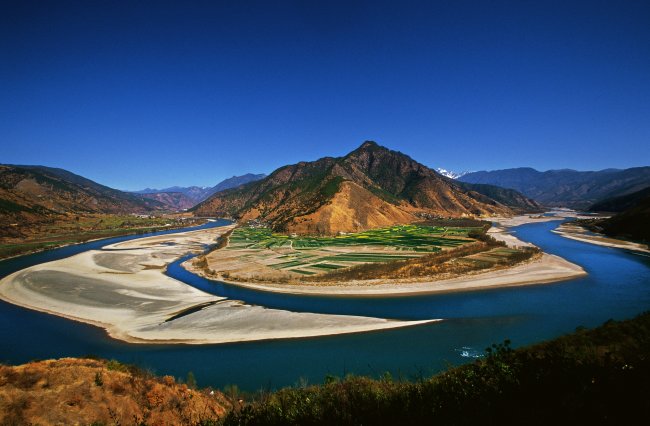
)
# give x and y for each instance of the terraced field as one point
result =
(257, 251)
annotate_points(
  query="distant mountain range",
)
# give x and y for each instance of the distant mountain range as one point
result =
(180, 198)
(566, 188)
(372, 186)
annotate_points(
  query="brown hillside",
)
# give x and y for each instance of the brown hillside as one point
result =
(32, 194)
(371, 186)
(73, 391)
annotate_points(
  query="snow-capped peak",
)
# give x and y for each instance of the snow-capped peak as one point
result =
(450, 174)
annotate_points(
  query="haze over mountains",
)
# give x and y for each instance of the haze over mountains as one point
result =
(181, 198)
(371, 186)
(200, 193)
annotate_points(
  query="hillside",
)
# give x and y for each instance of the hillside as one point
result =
(86, 391)
(235, 181)
(566, 188)
(30, 194)
(631, 224)
(371, 186)
(619, 204)
(508, 197)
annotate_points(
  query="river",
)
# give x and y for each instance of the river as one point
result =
(618, 287)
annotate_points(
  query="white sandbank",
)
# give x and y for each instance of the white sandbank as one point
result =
(123, 289)
(577, 233)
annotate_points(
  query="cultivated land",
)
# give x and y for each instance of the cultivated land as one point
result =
(123, 289)
(394, 260)
(259, 253)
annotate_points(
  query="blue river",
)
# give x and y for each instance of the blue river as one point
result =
(618, 287)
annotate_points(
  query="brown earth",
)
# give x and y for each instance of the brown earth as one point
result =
(73, 391)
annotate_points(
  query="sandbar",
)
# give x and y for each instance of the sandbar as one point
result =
(123, 289)
(578, 233)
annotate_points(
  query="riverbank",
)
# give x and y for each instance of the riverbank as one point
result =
(578, 233)
(542, 269)
(123, 289)
(63, 236)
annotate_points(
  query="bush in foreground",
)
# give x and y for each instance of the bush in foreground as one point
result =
(600, 376)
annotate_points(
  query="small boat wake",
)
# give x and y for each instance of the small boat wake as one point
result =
(469, 352)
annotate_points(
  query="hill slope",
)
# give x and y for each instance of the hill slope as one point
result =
(633, 223)
(371, 186)
(619, 204)
(86, 391)
(34, 193)
(566, 188)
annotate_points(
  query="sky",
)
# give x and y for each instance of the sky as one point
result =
(139, 94)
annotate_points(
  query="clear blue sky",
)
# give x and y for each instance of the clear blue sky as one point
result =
(141, 94)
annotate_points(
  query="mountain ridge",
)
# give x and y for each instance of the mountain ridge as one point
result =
(370, 186)
(198, 193)
(565, 187)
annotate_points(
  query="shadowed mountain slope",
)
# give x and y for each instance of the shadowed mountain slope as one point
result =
(633, 221)
(566, 188)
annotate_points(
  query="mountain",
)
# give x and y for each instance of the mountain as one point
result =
(566, 188)
(173, 200)
(198, 193)
(619, 204)
(371, 186)
(450, 174)
(194, 193)
(633, 220)
(633, 223)
(35, 193)
(508, 197)
(235, 181)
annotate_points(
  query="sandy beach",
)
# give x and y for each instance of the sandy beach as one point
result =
(123, 288)
(541, 270)
(578, 233)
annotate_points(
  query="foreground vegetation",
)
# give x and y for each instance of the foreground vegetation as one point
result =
(81, 228)
(600, 376)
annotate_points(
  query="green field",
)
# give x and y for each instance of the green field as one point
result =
(308, 255)
(402, 237)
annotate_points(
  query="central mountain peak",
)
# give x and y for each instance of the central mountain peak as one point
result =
(371, 186)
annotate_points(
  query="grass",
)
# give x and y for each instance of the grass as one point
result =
(311, 255)
(401, 251)
(413, 237)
